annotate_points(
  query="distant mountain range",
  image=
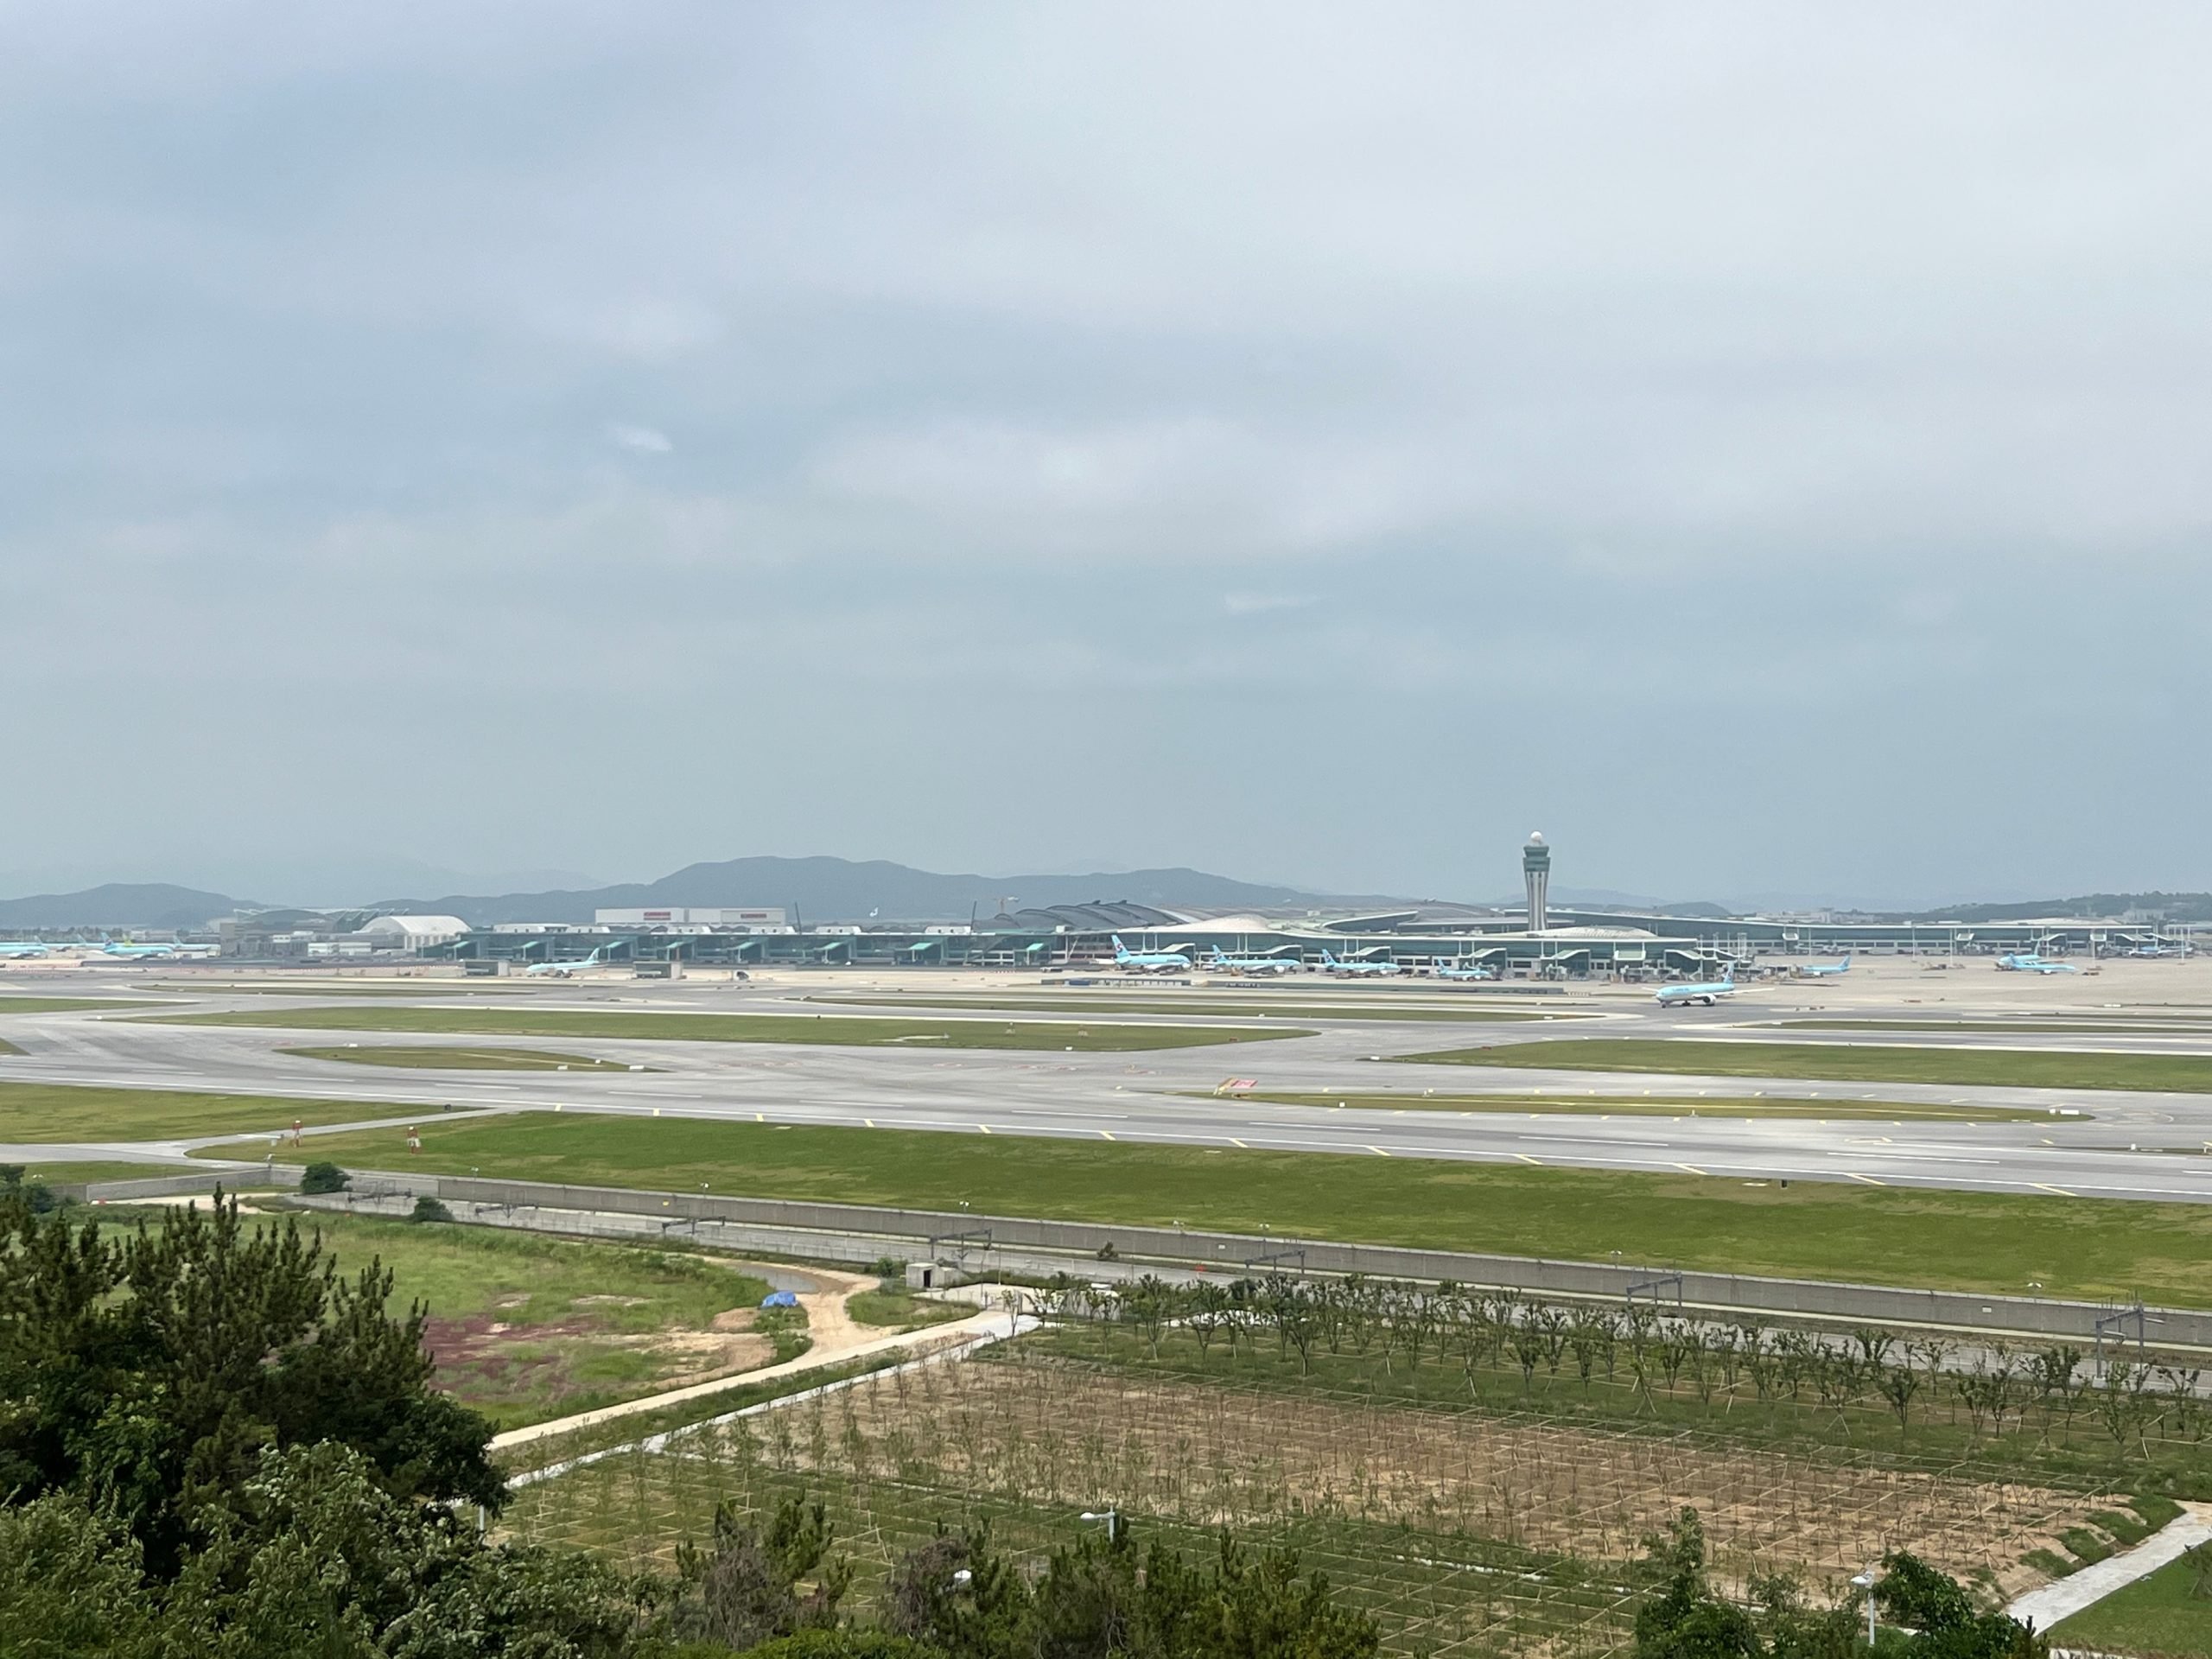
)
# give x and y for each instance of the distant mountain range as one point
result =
(841, 890)
(154, 904)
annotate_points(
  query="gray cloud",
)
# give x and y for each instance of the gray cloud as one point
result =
(1761, 443)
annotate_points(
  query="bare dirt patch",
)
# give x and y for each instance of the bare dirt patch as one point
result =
(1053, 1433)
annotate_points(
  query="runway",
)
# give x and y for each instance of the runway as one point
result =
(2129, 1145)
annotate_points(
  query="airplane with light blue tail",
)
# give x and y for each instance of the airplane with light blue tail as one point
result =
(1149, 962)
(1824, 970)
(1677, 996)
(1446, 970)
(2030, 962)
(1359, 970)
(1218, 962)
(131, 950)
(565, 969)
(20, 949)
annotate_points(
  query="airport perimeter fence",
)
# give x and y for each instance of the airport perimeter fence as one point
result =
(861, 1234)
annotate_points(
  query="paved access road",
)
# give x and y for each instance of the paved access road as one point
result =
(2128, 1146)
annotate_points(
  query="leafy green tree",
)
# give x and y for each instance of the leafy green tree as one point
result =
(323, 1178)
(1684, 1619)
(749, 1586)
(146, 1375)
(58, 1543)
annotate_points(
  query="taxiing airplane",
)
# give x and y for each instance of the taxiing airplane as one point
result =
(1219, 961)
(18, 949)
(1446, 970)
(1360, 969)
(1825, 970)
(1149, 962)
(2029, 962)
(1676, 996)
(565, 969)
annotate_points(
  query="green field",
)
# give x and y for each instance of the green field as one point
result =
(7, 1047)
(895, 1308)
(57, 1174)
(822, 1029)
(1890, 1111)
(68, 1004)
(1267, 1005)
(2161, 1613)
(2074, 1247)
(2148, 1028)
(462, 1059)
(1993, 1068)
(526, 1327)
(50, 1112)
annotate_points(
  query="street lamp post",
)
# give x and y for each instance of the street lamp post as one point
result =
(1865, 1581)
(1111, 1518)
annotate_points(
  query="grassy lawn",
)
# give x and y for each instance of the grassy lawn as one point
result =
(2161, 1613)
(2075, 1246)
(2143, 1027)
(893, 1306)
(1888, 1111)
(1269, 1004)
(527, 1327)
(55, 1174)
(837, 1030)
(54, 1111)
(462, 1059)
(68, 1004)
(7, 1047)
(2186, 1073)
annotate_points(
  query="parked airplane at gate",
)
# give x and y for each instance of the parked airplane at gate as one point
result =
(1676, 996)
(1444, 970)
(1825, 970)
(1359, 970)
(565, 969)
(2155, 949)
(1149, 962)
(131, 950)
(18, 949)
(2029, 962)
(1220, 963)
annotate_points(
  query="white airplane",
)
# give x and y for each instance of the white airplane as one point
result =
(19, 950)
(564, 969)
(131, 950)
(1360, 969)
(1444, 970)
(1149, 962)
(1676, 996)
(1219, 961)
(2030, 962)
(1825, 970)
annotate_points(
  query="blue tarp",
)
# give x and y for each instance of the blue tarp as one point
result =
(780, 1299)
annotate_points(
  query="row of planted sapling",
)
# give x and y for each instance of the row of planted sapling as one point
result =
(1934, 1393)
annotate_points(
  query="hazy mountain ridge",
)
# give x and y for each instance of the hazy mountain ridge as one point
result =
(119, 904)
(842, 890)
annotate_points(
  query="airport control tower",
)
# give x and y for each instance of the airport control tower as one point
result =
(1537, 871)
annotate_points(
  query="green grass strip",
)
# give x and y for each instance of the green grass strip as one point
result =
(837, 1030)
(1978, 1241)
(1889, 1111)
(1995, 1068)
(460, 1059)
(61, 1112)
(2162, 1613)
(1272, 1005)
(1999, 1027)
(66, 1004)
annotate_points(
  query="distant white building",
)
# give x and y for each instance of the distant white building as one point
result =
(413, 932)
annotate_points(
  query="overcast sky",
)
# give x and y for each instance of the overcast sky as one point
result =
(1764, 447)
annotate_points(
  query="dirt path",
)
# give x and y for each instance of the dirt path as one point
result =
(836, 1335)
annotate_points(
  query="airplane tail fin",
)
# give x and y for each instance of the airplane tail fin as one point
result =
(1120, 950)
